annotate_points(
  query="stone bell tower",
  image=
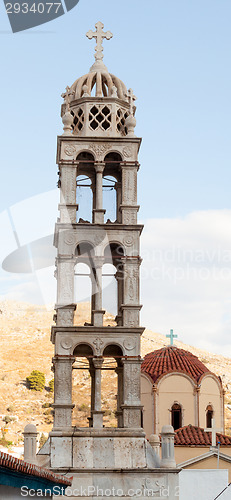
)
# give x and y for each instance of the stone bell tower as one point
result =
(99, 142)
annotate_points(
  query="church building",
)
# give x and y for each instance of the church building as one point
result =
(179, 390)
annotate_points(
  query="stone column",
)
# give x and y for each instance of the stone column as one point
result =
(68, 205)
(155, 408)
(167, 447)
(118, 187)
(130, 307)
(98, 211)
(97, 412)
(65, 315)
(129, 207)
(97, 312)
(93, 291)
(119, 279)
(197, 405)
(65, 283)
(131, 280)
(92, 374)
(63, 391)
(30, 443)
(119, 412)
(223, 410)
(131, 389)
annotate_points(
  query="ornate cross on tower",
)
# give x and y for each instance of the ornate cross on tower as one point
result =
(66, 96)
(99, 35)
(213, 431)
(131, 99)
(171, 337)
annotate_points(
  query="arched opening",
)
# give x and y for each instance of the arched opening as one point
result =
(112, 188)
(112, 386)
(109, 198)
(82, 385)
(113, 253)
(83, 292)
(176, 416)
(113, 280)
(209, 416)
(83, 285)
(109, 293)
(85, 187)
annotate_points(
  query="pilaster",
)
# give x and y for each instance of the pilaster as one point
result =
(131, 392)
(63, 406)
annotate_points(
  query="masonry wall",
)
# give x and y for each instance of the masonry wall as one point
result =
(179, 389)
(210, 395)
(183, 453)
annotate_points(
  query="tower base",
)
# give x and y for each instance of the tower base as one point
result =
(118, 463)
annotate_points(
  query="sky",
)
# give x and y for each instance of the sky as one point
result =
(176, 57)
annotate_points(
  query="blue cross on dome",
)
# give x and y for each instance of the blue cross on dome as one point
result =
(171, 337)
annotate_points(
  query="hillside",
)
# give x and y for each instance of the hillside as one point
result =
(26, 346)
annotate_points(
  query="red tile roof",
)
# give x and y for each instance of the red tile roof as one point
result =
(10, 462)
(196, 436)
(172, 359)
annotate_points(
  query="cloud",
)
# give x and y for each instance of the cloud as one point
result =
(186, 278)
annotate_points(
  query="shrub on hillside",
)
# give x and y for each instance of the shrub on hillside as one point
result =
(7, 419)
(42, 440)
(4, 442)
(51, 385)
(11, 408)
(36, 380)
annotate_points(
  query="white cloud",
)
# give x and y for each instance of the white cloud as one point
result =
(186, 278)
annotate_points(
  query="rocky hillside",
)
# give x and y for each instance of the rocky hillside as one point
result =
(26, 346)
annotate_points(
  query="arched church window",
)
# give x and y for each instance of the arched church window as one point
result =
(209, 416)
(176, 416)
(85, 187)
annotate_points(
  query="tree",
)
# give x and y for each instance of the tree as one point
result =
(36, 380)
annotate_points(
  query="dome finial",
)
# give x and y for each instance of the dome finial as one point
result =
(99, 35)
(67, 118)
(131, 98)
(66, 96)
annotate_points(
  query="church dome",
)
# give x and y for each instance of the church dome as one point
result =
(104, 83)
(99, 83)
(172, 359)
